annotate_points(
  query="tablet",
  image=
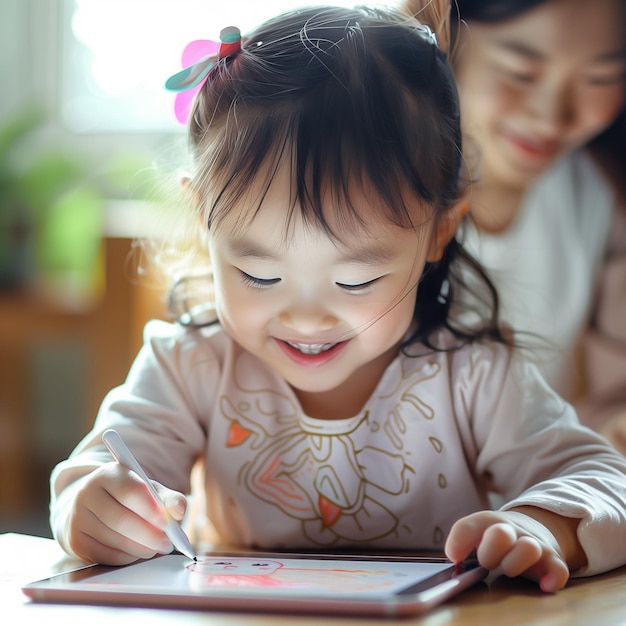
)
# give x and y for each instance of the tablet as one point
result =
(274, 582)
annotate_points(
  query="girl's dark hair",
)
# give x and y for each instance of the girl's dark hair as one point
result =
(342, 95)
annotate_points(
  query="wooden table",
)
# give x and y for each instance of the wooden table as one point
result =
(597, 601)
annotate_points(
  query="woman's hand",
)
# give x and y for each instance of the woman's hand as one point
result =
(115, 520)
(528, 541)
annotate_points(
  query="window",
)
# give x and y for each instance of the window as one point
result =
(117, 54)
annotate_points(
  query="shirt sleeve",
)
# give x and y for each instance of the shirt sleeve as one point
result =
(533, 450)
(157, 411)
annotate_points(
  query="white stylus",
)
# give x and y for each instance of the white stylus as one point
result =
(125, 457)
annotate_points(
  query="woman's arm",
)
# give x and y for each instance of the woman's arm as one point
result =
(604, 404)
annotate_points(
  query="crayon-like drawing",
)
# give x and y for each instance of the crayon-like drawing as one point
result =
(243, 572)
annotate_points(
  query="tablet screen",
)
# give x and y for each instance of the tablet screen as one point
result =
(266, 580)
(272, 576)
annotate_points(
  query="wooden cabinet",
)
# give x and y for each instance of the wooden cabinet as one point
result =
(36, 338)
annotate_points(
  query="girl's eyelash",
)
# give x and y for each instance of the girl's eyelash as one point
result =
(358, 287)
(259, 283)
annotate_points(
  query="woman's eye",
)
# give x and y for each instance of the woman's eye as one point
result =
(259, 283)
(519, 77)
(358, 286)
(516, 74)
(606, 81)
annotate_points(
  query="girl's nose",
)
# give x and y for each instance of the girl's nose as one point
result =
(307, 321)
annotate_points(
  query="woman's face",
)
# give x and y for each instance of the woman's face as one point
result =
(540, 84)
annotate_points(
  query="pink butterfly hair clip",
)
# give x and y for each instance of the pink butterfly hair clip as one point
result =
(199, 58)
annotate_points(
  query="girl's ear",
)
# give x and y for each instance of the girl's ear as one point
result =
(184, 180)
(446, 228)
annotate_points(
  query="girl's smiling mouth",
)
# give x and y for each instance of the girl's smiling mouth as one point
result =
(311, 353)
(311, 348)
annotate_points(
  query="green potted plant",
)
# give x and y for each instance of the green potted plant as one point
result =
(50, 211)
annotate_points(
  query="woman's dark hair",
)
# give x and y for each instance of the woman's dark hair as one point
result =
(342, 95)
(491, 10)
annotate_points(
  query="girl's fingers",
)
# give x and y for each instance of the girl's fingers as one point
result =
(466, 535)
(551, 573)
(132, 493)
(524, 554)
(116, 519)
(497, 541)
(500, 543)
(98, 543)
(174, 501)
(128, 524)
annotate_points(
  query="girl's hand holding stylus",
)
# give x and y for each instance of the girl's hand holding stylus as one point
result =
(115, 520)
(528, 541)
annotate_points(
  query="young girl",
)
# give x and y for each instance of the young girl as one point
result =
(346, 398)
(542, 86)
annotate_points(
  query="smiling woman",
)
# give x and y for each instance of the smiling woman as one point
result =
(542, 86)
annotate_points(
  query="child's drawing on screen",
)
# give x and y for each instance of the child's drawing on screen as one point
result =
(238, 572)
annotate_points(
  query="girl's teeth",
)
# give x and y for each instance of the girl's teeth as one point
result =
(311, 348)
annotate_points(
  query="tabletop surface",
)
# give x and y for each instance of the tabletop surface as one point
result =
(599, 600)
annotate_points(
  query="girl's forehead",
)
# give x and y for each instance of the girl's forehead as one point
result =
(270, 235)
(342, 212)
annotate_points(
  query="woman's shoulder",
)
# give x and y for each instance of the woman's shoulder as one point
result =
(578, 180)
(578, 163)
(575, 199)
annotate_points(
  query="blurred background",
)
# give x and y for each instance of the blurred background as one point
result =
(87, 138)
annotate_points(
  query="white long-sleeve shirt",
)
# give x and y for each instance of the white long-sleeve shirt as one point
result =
(560, 270)
(440, 431)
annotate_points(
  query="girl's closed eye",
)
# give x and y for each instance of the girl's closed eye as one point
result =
(258, 283)
(358, 287)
